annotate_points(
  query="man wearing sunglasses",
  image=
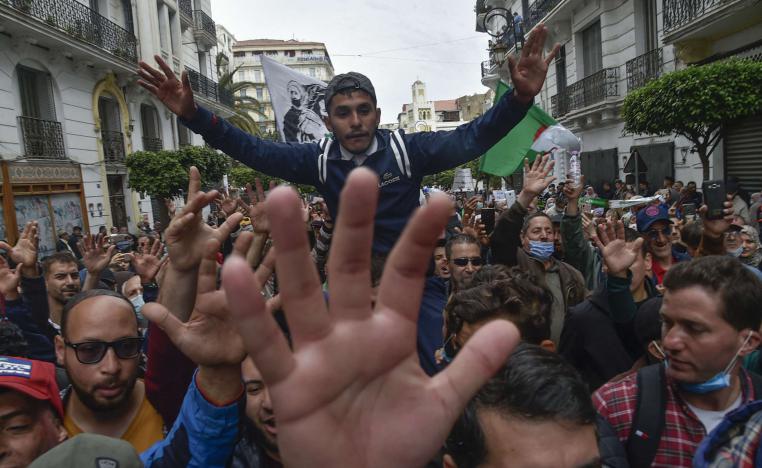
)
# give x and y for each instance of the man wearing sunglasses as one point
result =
(653, 221)
(464, 259)
(100, 347)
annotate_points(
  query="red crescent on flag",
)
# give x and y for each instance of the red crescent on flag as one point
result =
(539, 132)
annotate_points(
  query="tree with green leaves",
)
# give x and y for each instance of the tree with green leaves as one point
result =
(164, 174)
(696, 103)
(246, 107)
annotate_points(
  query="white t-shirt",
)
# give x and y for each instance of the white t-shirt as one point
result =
(710, 419)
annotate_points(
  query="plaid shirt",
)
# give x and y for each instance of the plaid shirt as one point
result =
(683, 432)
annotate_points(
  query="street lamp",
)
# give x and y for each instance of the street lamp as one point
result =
(497, 22)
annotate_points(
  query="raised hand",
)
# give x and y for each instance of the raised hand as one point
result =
(226, 203)
(529, 72)
(24, 252)
(148, 262)
(175, 94)
(352, 392)
(618, 254)
(9, 280)
(257, 212)
(536, 179)
(96, 253)
(573, 191)
(187, 234)
(209, 337)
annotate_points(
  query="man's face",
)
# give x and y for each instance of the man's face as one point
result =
(28, 428)
(77, 232)
(440, 263)
(132, 287)
(62, 281)
(511, 441)
(461, 275)
(539, 229)
(618, 185)
(123, 230)
(353, 120)
(667, 183)
(108, 384)
(691, 187)
(639, 268)
(143, 242)
(259, 409)
(296, 96)
(698, 342)
(659, 238)
(732, 241)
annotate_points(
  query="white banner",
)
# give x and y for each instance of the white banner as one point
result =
(297, 102)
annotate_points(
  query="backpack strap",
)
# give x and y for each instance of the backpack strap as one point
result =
(649, 418)
(400, 153)
(756, 383)
(325, 148)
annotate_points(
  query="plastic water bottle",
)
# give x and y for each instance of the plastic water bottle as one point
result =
(575, 169)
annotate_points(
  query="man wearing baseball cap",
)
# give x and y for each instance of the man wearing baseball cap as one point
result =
(31, 413)
(653, 221)
(399, 160)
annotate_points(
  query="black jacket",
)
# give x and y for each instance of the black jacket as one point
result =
(597, 346)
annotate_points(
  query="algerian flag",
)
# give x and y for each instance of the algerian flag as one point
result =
(507, 155)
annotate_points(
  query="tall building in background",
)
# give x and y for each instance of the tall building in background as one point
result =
(224, 56)
(309, 58)
(423, 115)
(612, 47)
(72, 110)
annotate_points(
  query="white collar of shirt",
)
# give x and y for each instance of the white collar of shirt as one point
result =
(347, 155)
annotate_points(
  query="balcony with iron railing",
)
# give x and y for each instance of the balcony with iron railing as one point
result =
(678, 13)
(43, 139)
(537, 13)
(113, 146)
(208, 88)
(82, 23)
(204, 29)
(186, 11)
(644, 68)
(586, 92)
(152, 144)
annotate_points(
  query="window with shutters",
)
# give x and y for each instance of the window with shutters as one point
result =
(41, 133)
(149, 120)
(592, 51)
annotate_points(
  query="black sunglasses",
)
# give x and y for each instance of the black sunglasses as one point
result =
(654, 233)
(92, 352)
(463, 261)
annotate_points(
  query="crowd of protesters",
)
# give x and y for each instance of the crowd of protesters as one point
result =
(357, 328)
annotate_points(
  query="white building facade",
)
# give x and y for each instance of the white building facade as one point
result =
(72, 110)
(423, 115)
(611, 47)
(309, 58)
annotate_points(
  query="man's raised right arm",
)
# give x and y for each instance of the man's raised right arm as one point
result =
(296, 163)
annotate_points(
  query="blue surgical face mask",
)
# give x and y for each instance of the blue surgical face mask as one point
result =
(541, 250)
(718, 382)
(138, 303)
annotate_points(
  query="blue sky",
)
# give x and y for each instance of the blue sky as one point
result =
(402, 40)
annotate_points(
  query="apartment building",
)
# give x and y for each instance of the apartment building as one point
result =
(611, 47)
(308, 58)
(72, 111)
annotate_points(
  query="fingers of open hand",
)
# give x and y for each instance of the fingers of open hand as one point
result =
(265, 269)
(228, 226)
(300, 285)
(263, 339)
(406, 266)
(477, 362)
(242, 243)
(207, 271)
(162, 318)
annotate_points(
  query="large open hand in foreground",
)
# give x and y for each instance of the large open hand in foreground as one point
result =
(352, 393)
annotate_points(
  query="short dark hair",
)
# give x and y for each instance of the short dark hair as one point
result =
(669, 179)
(534, 385)
(739, 289)
(528, 219)
(459, 239)
(58, 257)
(85, 295)
(690, 234)
(497, 291)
